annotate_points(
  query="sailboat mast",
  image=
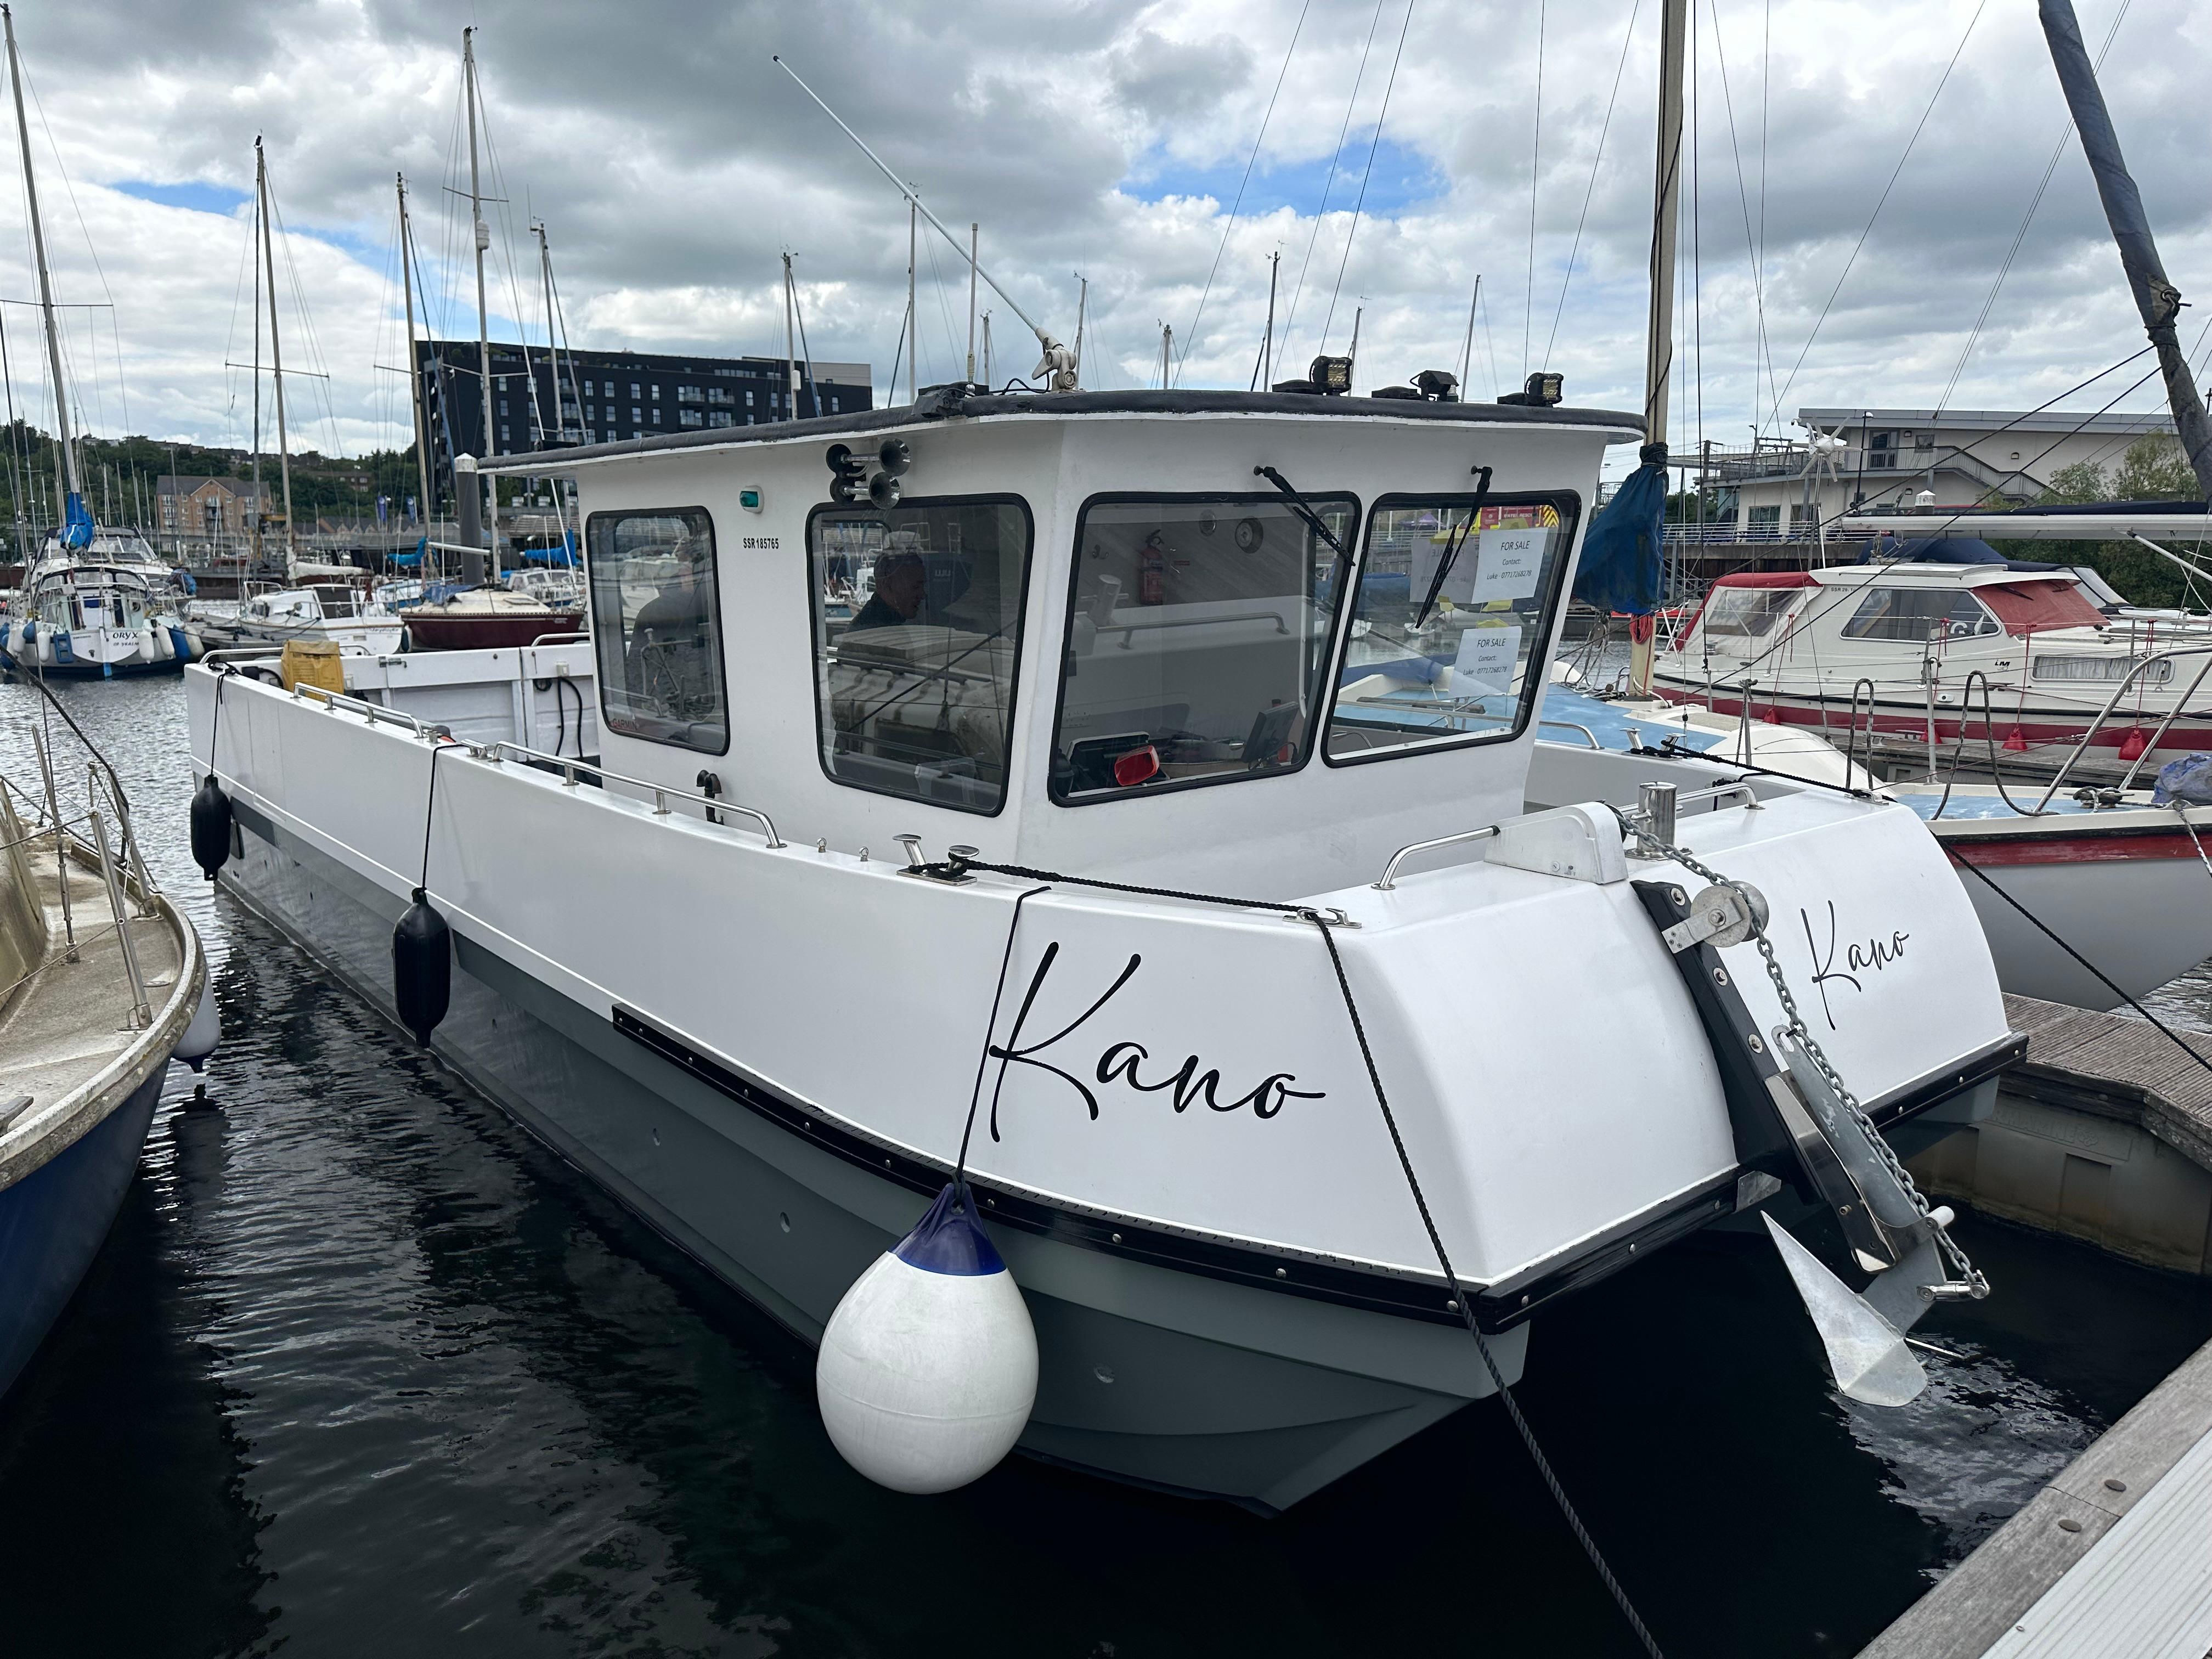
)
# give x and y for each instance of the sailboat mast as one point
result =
(277, 363)
(1082, 304)
(253, 536)
(2156, 299)
(414, 374)
(552, 368)
(483, 237)
(1666, 191)
(914, 339)
(70, 482)
(1268, 339)
(790, 346)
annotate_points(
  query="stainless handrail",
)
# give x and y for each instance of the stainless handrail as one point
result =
(372, 711)
(2112, 702)
(1127, 630)
(1390, 871)
(134, 866)
(2159, 735)
(142, 1010)
(570, 765)
(1571, 725)
(1718, 793)
(61, 857)
(575, 637)
(1851, 729)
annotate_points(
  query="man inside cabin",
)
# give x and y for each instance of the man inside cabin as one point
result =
(900, 583)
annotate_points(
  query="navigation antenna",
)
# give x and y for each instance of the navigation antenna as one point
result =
(1058, 361)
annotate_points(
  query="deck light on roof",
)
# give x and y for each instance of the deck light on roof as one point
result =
(1330, 376)
(1542, 390)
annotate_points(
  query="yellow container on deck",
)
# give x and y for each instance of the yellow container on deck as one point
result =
(312, 662)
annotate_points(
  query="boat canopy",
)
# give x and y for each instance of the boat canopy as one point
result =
(2037, 607)
(1946, 549)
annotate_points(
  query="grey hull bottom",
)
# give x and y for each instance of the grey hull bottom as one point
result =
(1173, 1380)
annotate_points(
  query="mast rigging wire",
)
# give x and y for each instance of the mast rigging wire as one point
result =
(1335, 157)
(1191, 338)
(1942, 80)
(1627, 36)
(1373, 145)
(2004, 269)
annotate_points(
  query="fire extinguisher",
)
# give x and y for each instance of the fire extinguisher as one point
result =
(1152, 572)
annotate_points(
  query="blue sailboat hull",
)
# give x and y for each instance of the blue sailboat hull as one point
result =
(53, 1221)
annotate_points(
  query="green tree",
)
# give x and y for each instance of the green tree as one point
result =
(2152, 469)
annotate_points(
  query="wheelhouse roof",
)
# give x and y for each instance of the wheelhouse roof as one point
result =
(941, 404)
(1932, 575)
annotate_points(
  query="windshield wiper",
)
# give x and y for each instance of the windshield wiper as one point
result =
(1304, 509)
(1451, 553)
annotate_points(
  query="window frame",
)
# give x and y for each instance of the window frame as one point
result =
(1197, 498)
(817, 631)
(1568, 504)
(1871, 592)
(715, 593)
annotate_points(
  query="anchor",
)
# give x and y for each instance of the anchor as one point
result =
(1790, 1121)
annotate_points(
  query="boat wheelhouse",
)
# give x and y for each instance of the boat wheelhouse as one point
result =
(721, 935)
(97, 604)
(1912, 655)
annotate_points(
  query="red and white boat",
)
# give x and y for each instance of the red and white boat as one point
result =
(1909, 658)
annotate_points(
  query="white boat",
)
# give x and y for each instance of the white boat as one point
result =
(1097, 643)
(94, 602)
(338, 611)
(1911, 657)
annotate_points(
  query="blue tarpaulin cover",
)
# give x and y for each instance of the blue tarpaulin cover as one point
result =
(76, 522)
(1619, 568)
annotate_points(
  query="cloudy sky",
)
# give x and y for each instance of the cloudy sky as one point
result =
(672, 163)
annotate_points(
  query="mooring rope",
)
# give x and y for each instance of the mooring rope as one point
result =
(1461, 1302)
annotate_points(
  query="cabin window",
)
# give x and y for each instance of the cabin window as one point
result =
(1746, 613)
(656, 627)
(2107, 668)
(1455, 602)
(917, 637)
(1915, 615)
(1198, 641)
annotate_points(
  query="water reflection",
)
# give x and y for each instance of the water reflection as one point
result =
(364, 1368)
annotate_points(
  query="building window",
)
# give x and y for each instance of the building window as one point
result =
(633, 389)
(720, 418)
(656, 627)
(916, 657)
(1458, 594)
(1763, 520)
(656, 394)
(505, 436)
(749, 401)
(1803, 516)
(636, 413)
(656, 417)
(688, 394)
(502, 405)
(833, 406)
(690, 418)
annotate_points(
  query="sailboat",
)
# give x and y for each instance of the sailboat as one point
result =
(317, 601)
(95, 603)
(490, 615)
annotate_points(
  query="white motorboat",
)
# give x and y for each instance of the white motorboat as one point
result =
(1915, 655)
(338, 611)
(1109, 634)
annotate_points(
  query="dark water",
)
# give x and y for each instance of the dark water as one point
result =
(363, 1369)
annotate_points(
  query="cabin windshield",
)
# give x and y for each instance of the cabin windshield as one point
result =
(917, 633)
(1918, 614)
(1746, 613)
(1199, 637)
(1455, 602)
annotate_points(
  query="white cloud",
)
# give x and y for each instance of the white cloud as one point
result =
(673, 162)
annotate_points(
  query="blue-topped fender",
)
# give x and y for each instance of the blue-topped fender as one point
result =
(62, 652)
(947, 1240)
(182, 641)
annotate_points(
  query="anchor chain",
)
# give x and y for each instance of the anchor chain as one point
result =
(1954, 1258)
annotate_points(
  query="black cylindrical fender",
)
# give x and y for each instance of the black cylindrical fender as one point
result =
(422, 968)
